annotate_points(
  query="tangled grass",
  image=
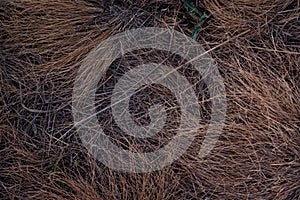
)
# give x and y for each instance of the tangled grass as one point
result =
(256, 46)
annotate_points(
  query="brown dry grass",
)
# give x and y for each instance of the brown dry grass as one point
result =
(42, 46)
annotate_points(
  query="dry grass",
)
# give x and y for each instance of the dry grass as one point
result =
(42, 46)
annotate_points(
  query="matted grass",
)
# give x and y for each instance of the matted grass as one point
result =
(256, 47)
